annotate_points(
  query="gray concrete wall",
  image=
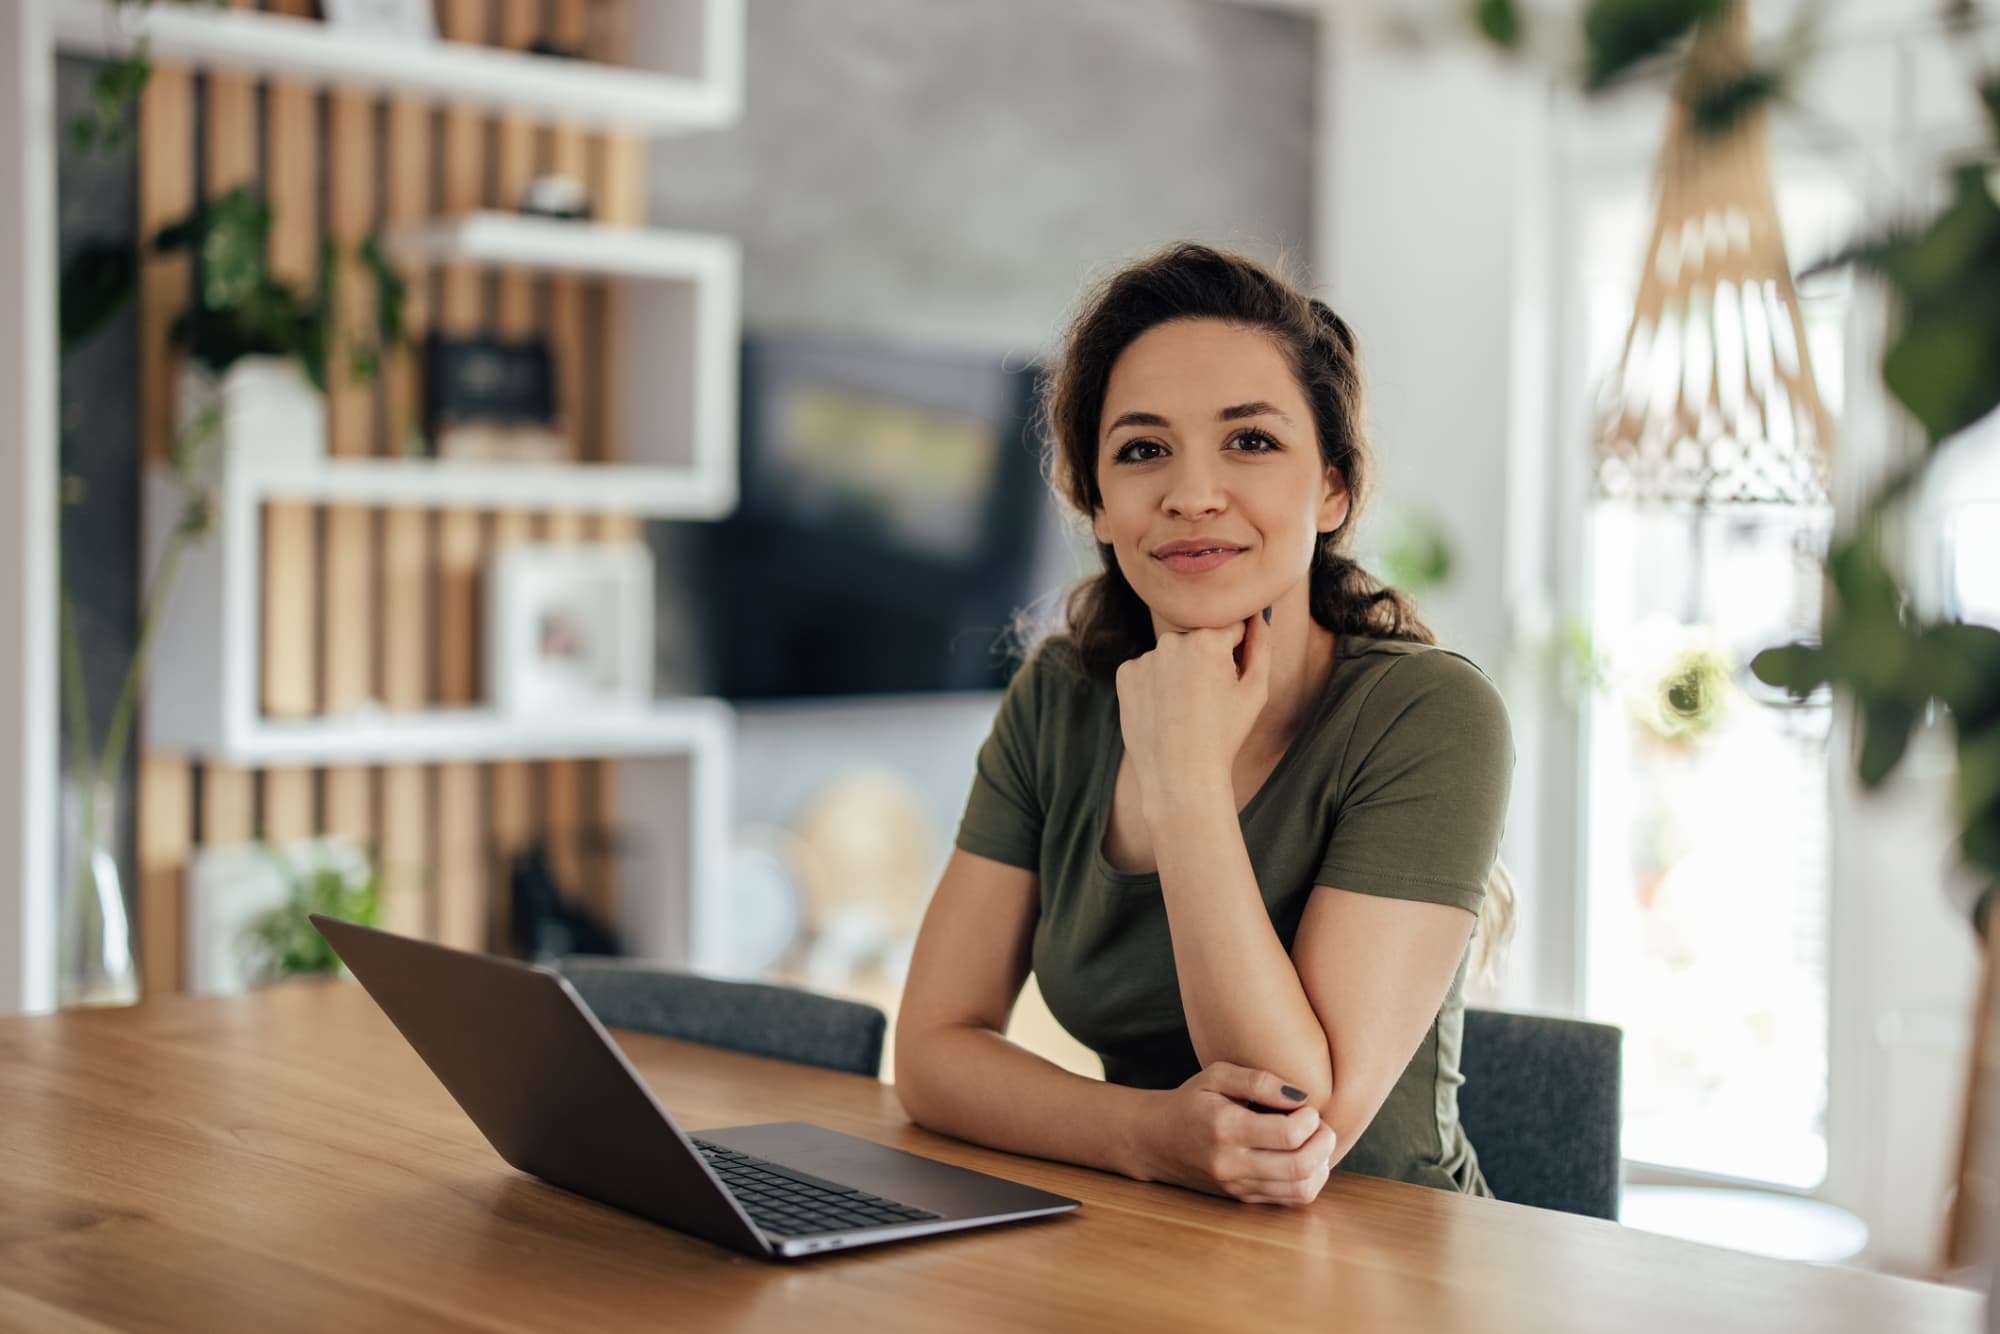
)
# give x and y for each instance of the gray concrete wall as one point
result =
(952, 170)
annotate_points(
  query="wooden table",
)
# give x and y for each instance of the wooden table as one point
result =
(284, 1161)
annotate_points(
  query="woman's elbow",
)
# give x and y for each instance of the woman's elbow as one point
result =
(1348, 1118)
(915, 1067)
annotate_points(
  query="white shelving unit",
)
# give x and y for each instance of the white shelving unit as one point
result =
(674, 757)
(686, 71)
(678, 308)
(674, 760)
(674, 348)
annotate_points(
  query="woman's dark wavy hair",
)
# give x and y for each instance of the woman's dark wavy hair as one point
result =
(1108, 622)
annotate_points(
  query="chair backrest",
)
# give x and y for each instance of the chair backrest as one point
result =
(1540, 1104)
(782, 1022)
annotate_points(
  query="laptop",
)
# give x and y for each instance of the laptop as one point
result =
(545, 1083)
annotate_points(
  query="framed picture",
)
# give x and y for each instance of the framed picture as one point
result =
(570, 626)
(408, 19)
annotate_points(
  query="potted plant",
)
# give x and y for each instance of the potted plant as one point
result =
(328, 876)
(255, 347)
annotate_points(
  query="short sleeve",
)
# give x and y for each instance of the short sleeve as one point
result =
(1004, 811)
(1423, 790)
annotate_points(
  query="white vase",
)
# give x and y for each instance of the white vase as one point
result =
(270, 411)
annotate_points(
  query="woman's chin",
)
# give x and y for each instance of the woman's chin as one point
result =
(1181, 619)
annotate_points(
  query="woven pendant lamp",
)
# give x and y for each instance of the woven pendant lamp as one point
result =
(1713, 402)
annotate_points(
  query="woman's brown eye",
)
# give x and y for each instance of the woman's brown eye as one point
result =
(1125, 455)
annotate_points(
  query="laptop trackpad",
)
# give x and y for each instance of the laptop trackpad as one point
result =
(893, 1174)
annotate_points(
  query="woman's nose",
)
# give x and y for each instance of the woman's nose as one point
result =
(1192, 489)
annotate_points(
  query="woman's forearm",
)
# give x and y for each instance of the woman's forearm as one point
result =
(972, 1083)
(1241, 993)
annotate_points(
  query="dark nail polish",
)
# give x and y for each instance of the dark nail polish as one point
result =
(1296, 1095)
(1267, 621)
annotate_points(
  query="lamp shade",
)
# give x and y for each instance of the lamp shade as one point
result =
(1713, 401)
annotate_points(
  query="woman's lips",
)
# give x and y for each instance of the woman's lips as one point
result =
(1191, 563)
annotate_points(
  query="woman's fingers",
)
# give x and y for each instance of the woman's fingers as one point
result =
(1263, 1130)
(1308, 1159)
(1247, 1085)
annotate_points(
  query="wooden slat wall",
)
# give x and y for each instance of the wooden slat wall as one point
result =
(361, 605)
(291, 531)
(511, 787)
(164, 810)
(228, 808)
(613, 167)
(348, 628)
(459, 852)
(404, 850)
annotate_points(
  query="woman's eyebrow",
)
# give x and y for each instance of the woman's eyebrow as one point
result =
(1230, 414)
(1242, 410)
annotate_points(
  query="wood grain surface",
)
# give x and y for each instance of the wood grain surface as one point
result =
(283, 1161)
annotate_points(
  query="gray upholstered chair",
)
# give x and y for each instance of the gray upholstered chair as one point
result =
(782, 1022)
(1540, 1104)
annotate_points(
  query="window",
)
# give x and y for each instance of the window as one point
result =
(1705, 793)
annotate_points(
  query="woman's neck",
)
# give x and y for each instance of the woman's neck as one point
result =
(1302, 654)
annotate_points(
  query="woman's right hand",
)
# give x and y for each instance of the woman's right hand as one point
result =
(1205, 1136)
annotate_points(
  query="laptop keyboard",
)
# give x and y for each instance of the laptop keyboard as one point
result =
(789, 1203)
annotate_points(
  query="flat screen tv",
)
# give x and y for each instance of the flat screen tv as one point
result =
(886, 531)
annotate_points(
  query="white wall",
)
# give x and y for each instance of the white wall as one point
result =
(27, 510)
(1440, 236)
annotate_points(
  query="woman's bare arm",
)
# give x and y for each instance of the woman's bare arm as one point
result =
(957, 1073)
(1343, 1013)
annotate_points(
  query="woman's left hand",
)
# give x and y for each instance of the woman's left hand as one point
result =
(1185, 708)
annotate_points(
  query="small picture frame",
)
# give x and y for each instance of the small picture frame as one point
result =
(402, 19)
(570, 626)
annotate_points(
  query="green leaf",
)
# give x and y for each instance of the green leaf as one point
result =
(1721, 106)
(1979, 772)
(232, 252)
(1944, 365)
(1799, 669)
(391, 292)
(1623, 33)
(283, 941)
(1885, 734)
(113, 89)
(1417, 554)
(363, 362)
(1961, 667)
(1941, 369)
(1499, 21)
(98, 282)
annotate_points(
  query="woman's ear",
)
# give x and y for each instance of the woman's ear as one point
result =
(1334, 502)
(1097, 525)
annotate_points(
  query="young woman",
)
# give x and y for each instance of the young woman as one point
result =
(1241, 817)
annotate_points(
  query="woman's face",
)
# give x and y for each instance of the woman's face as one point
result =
(1207, 443)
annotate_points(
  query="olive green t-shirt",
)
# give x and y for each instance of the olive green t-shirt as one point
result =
(1395, 785)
